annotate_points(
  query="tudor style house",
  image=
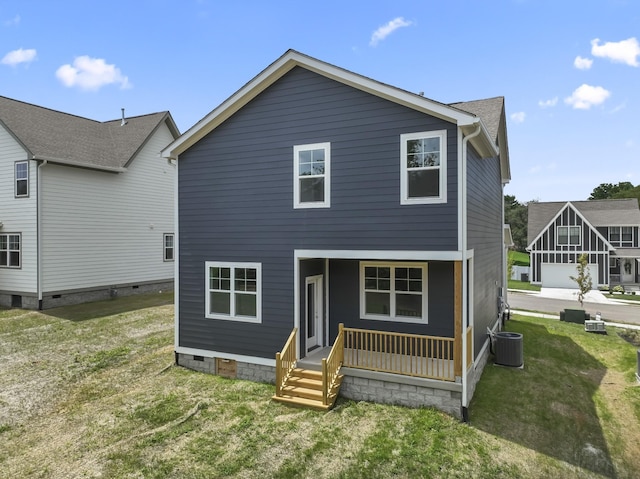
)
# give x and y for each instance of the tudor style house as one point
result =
(607, 230)
(322, 215)
(86, 207)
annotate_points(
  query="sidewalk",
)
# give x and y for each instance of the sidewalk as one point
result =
(593, 296)
(555, 316)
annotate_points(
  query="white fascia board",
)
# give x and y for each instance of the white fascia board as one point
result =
(380, 255)
(205, 353)
(287, 62)
(58, 161)
(482, 143)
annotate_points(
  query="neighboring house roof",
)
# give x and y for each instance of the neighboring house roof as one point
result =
(68, 139)
(507, 237)
(622, 212)
(467, 115)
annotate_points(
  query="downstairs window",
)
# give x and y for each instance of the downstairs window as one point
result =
(393, 291)
(233, 291)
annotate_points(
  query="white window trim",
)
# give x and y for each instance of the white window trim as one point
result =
(620, 242)
(327, 175)
(396, 319)
(9, 251)
(404, 184)
(165, 248)
(569, 243)
(232, 316)
(16, 179)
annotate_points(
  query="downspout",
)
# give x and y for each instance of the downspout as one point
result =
(39, 232)
(465, 272)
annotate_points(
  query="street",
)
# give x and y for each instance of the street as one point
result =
(617, 312)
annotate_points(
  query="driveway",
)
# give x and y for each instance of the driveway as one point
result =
(552, 300)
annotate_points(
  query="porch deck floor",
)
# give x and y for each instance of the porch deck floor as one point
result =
(434, 368)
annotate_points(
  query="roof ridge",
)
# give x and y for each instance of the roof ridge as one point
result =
(498, 97)
(135, 116)
(40, 107)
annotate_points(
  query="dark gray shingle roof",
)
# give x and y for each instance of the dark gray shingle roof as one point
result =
(622, 212)
(56, 136)
(488, 110)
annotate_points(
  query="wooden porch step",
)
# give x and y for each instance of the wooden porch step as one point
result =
(297, 391)
(308, 383)
(304, 388)
(302, 402)
(306, 373)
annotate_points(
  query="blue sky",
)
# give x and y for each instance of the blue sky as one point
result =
(569, 70)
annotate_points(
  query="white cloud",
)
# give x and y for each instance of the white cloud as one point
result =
(14, 21)
(18, 56)
(91, 74)
(586, 96)
(582, 63)
(548, 103)
(534, 169)
(625, 51)
(518, 117)
(385, 30)
(618, 108)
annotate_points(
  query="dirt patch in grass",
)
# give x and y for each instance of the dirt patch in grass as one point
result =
(118, 407)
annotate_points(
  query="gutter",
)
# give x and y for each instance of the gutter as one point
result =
(465, 272)
(59, 161)
(39, 231)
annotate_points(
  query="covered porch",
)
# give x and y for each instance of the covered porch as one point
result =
(624, 269)
(315, 360)
(314, 381)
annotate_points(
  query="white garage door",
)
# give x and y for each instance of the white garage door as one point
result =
(556, 275)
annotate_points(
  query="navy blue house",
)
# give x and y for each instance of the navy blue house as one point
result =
(320, 202)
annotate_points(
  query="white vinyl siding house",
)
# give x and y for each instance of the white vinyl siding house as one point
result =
(91, 219)
(18, 216)
(130, 244)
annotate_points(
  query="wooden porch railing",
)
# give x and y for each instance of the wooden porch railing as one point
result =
(331, 366)
(407, 354)
(286, 361)
(469, 346)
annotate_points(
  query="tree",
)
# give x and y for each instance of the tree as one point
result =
(584, 277)
(607, 191)
(515, 215)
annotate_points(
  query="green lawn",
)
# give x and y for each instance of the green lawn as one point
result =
(519, 258)
(92, 391)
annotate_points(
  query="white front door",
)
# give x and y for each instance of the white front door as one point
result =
(626, 270)
(313, 316)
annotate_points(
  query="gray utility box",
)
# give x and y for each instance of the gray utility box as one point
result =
(578, 316)
(509, 350)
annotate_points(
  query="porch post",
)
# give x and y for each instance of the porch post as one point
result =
(457, 319)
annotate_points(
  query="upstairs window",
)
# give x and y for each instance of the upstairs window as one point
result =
(233, 291)
(10, 250)
(22, 178)
(168, 247)
(394, 291)
(621, 235)
(568, 235)
(311, 166)
(423, 166)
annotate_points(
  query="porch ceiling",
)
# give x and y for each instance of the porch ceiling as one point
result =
(627, 253)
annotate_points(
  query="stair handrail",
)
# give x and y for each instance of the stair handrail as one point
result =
(286, 361)
(331, 365)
